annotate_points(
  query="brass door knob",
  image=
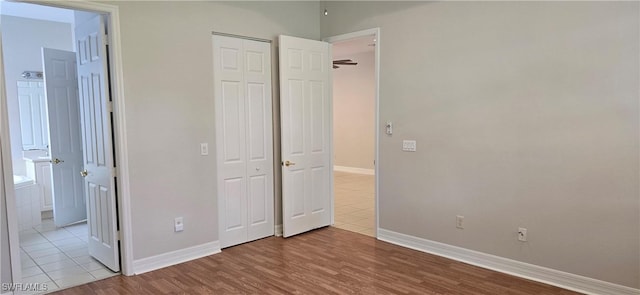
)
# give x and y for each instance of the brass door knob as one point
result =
(289, 163)
(56, 161)
(84, 173)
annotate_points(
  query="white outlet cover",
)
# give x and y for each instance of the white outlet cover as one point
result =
(178, 224)
(409, 145)
(522, 234)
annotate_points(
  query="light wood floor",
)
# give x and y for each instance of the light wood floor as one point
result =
(324, 261)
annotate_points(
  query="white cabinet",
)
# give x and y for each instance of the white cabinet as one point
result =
(33, 115)
(40, 171)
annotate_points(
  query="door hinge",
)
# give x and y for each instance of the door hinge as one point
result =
(105, 39)
(119, 235)
(109, 106)
(114, 172)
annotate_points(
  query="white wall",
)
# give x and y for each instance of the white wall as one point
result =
(168, 84)
(525, 114)
(23, 39)
(354, 111)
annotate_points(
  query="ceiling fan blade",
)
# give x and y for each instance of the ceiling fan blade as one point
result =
(342, 60)
(348, 63)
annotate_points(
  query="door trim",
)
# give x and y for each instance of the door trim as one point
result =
(119, 132)
(348, 36)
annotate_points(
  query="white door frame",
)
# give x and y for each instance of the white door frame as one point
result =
(119, 130)
(375, 32)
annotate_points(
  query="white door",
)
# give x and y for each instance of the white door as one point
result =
(64, 136)
(99, 180)
(244, 150)
(305, 116)
(33, 115)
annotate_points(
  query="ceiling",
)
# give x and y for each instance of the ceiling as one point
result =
(36, 11)
(353, 46)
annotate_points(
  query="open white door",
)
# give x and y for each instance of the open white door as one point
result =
(61, 94)
(99, 179)
(305, 114)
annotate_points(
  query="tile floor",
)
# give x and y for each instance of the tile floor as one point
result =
(58, 257)
(355, 202)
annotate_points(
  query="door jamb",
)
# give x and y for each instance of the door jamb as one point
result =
(344, 37)
(119, 132)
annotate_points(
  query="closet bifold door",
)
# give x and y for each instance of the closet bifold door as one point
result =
(244, 142)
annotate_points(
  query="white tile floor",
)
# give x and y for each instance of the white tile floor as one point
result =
(355, 202)
(58, 257)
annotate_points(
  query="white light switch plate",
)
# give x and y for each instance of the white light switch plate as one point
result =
(409, 145)
(204, 149)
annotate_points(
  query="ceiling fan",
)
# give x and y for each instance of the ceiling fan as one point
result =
(343, 62)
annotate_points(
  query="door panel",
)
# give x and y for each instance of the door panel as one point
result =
(258, 114)
(64, 136)
(242, 82)
(305, 111)
(99, 180)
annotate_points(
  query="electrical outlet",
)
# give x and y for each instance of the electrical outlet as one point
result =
(460, 221)
(522, 234)
(178, 224)
(409, 145)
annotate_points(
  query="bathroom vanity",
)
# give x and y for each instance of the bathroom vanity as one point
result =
(39, 169)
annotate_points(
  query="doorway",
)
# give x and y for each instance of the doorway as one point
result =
(57, 255)
(355, 97)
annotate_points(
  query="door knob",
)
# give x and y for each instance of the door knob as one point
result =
(56, 161)
(289, 163)
(84, 173)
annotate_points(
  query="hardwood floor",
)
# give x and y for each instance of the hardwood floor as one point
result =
(324, 261)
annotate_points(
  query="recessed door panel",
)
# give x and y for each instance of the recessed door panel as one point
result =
(256, 98)
(233, 121)
(318, 117)
(296, 116)
(257, 199)
(234, 202)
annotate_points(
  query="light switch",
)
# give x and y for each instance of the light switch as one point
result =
(409, 145)
(204, 149)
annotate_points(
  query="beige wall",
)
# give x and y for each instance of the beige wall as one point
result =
(525, 114)
(168, 83)
(354, 112)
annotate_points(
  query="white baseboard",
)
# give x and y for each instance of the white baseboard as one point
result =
(354, 170)
(520, 269)
(175, 257)
(279, 230)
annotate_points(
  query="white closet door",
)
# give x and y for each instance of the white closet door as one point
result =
(244, 149)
